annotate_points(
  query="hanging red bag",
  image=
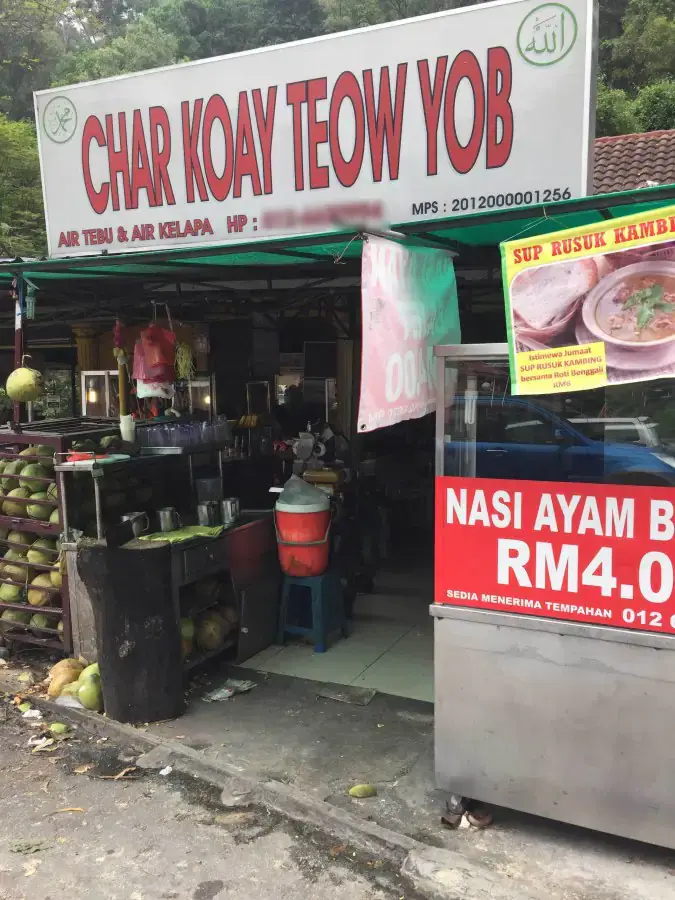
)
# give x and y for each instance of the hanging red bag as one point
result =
(159, 346)
(144, 372)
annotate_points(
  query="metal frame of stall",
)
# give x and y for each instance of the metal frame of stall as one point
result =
(568, 721)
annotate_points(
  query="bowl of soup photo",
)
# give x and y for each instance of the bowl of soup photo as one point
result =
(633, 307)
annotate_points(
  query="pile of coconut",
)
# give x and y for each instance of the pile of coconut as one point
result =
(75, 678)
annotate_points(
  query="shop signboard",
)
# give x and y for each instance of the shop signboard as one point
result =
(592, 306)
(408, 305)
(482, 108)
(593, 553)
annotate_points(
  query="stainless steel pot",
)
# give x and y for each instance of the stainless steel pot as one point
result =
(169, 520)
(140, 522)
(229, 510)
(208, 513)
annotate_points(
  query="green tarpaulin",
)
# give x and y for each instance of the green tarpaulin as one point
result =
(479, 230)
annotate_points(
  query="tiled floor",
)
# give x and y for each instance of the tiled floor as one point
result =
(390, 647)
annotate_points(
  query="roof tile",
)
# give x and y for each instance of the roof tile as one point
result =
(630, 161)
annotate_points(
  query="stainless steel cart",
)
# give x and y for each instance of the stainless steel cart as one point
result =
(569, 721)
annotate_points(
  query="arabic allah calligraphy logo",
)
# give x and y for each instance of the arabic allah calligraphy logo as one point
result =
(547, 34)
(59, 120)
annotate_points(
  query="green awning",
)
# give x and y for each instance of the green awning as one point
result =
(479, 230)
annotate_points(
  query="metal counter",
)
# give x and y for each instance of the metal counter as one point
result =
(566, 721)
(560, 719)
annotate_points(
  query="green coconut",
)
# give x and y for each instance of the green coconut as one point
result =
(45, 453)
(17, 572)
(12, 470)
(88, 671)
(40, 620)
(40, 557)
(13, 617)
(56, 578)
(54, 519)
(10, 556)
(52, 491)
(25, 385)
(31, 475)
(10, 593)
(38, 510)
(15, 509)
(42, 551)
(36, 596)
(90, 694)
(21, 537)
(59, 628)
(4, 533)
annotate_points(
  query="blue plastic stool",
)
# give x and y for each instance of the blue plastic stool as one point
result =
(326, 608)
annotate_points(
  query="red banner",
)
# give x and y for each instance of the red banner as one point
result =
(592, 553)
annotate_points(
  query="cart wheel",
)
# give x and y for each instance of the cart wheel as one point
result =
(478, 816)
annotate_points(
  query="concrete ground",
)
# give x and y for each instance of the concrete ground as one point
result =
(284, 731)
(68, 831)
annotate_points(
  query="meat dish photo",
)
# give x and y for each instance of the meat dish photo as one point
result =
(634, 307)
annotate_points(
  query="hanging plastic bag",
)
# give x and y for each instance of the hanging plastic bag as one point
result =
(159, 346)
(143, 371)
(163, 389)
(140, 372)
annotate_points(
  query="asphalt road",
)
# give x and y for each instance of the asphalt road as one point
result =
(68, 829)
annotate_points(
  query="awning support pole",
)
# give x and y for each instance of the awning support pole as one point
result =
(18, 338)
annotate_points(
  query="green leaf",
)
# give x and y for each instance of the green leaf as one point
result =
(644, 317)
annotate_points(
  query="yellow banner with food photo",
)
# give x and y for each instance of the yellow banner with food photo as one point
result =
(592, 306)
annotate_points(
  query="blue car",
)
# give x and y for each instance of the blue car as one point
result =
(519, 439)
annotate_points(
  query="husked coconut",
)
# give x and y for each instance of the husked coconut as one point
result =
(212, 630)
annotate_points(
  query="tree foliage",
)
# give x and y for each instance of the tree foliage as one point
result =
(615, 112)
(21, 211)
(143, 46)
(655, 106)
(51, 42)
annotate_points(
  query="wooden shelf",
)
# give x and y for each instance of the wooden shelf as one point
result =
(193, 662)
(24, 638)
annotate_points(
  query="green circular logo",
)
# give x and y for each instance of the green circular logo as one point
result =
(547, 34)
(59, 120)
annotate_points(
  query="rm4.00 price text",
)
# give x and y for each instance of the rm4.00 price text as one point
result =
(545, 567)
(519, 198)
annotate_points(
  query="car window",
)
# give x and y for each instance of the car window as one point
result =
(615, 431)
(521, 426)
(490, 423)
